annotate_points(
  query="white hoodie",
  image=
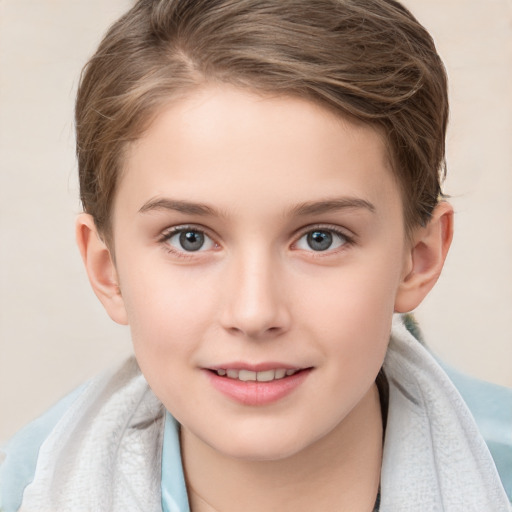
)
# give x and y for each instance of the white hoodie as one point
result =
(105, 453)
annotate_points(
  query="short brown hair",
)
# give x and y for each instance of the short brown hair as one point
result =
(369, 59)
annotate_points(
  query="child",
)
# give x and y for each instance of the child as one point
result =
(261, 187)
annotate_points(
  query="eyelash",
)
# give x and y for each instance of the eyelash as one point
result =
(349, 239)
(171, 232)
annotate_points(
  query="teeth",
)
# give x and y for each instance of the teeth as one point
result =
(245, 375)
(280, 373)
(248, 375)
(266, 376)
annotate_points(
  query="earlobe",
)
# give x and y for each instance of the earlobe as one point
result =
(100, 268)
(426, 258)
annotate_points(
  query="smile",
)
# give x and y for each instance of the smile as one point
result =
(257, 386)
(249, 375)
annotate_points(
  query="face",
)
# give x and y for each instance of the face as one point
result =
(259, 245)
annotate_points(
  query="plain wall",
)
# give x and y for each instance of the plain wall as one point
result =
(53, 331)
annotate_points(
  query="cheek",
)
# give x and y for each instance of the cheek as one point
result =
(355, 294)
(167, 323)
(166, 310)
(353, 311)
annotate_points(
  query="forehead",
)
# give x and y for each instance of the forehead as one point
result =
(241, 150)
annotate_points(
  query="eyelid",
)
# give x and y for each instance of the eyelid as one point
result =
(165, 233)
(347, 233)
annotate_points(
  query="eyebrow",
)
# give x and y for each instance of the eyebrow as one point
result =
(329, 205)
(303, 209)
(186, 207)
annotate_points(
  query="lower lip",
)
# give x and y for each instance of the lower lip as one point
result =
(254, 392)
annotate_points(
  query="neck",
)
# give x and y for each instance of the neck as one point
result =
(341, 471)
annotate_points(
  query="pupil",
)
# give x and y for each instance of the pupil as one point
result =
(319, 240)
(191, 240)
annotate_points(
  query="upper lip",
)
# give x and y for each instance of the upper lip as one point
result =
(259, 367)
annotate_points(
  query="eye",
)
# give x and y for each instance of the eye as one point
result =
(320, 240)
(188, 240)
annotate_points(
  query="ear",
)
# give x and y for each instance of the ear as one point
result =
(425, 258)
(100, 268)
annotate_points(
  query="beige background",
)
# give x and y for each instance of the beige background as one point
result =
(54, 333)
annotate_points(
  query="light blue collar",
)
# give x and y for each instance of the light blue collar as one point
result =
(174, 491)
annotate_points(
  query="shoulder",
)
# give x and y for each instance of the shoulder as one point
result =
(19, 455)
(489, 404)
(491, 407)
(432, 435)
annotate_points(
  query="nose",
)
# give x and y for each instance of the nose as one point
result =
(256, 303)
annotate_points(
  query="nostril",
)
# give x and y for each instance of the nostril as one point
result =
(255, 332)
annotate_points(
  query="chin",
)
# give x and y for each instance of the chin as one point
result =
(260, 446)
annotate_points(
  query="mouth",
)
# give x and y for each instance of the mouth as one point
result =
(257, 385)
(245, 375)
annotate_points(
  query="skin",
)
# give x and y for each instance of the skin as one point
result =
(256, 175)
